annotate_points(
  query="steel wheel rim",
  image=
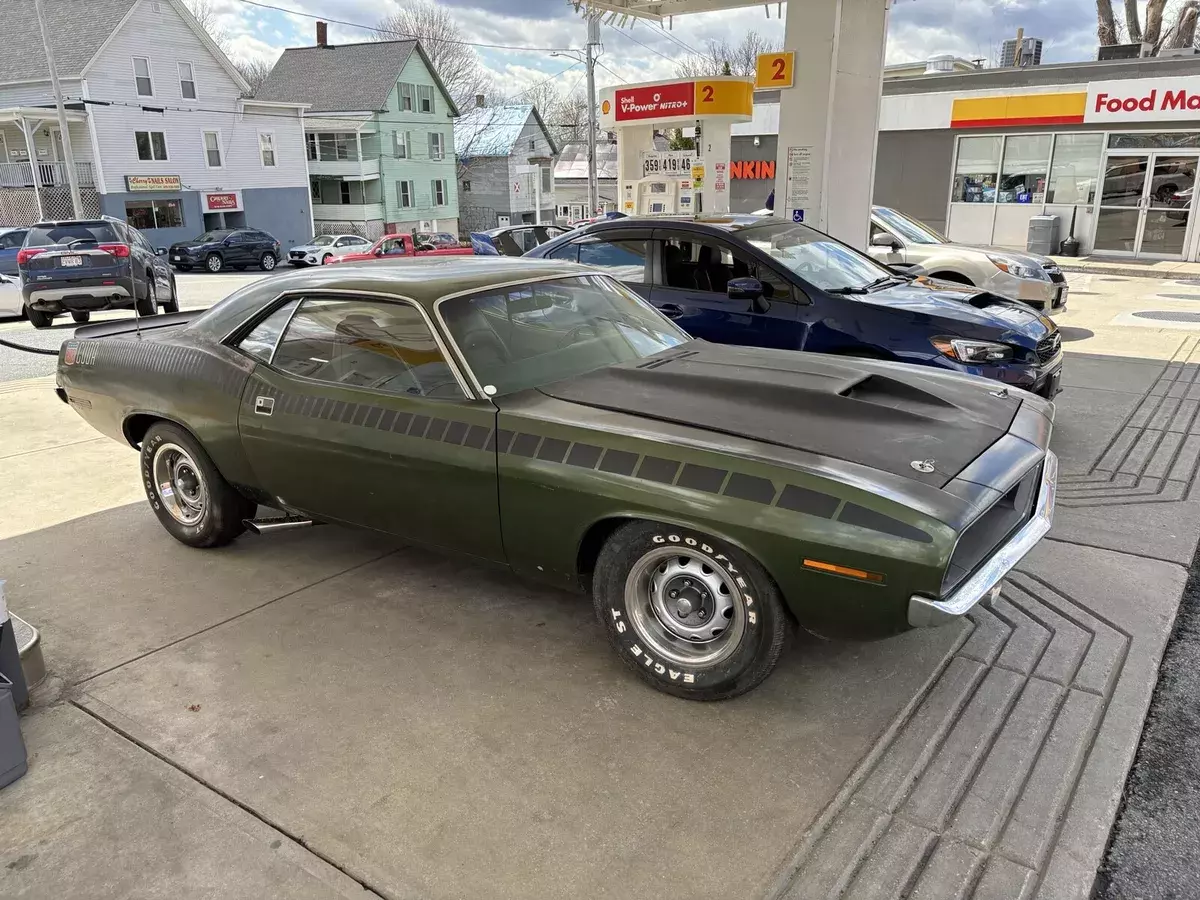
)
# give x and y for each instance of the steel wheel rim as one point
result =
(178, 483)
(672, 627)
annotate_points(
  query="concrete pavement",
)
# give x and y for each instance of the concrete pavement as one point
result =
(322, 711)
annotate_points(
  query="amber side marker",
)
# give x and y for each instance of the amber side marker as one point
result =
(842, 570)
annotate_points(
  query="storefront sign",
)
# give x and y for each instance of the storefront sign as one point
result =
(655, 101)
(153, 183)
(222, 201)
(1017, 109)
(1144, 100)
(775, 70)
(667, 162)
(752, 169)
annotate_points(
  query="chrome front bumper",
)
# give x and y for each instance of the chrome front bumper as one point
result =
(985, 583)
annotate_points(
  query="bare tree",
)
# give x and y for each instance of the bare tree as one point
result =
(455, 62)
(205, 12)
(723, 58)
(1159, 29)
(254, 70)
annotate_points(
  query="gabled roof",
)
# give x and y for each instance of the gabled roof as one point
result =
(344, 77)
(572, 162)
(493, 130)
(78, 32)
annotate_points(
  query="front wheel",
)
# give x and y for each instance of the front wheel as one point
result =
(267, 262)
(691, 615)
(214, 263)
(192, 500)
(81, 318)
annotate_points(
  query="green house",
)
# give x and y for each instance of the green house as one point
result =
(379, 136)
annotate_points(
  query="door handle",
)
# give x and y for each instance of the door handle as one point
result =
(264, 406)
(671, 310)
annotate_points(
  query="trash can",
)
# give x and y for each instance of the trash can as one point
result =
(1042, 237)
(13, 762)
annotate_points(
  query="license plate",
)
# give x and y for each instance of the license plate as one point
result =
(1052, 384)
(1060, 297)
(176, 258)
(70, 260)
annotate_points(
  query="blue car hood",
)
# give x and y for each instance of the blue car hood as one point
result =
(966, 312)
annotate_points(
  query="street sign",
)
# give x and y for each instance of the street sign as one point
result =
(797, 215)
(775, 70)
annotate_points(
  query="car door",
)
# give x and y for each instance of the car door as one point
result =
(354, 414)
(624, 254)
(691, 287)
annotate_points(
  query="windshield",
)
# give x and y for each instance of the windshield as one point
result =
(815, 257)
(210, 236)
(909, 230)
(320, 241)
(69, 233)
(535, 334)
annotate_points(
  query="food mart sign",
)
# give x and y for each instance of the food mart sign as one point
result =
(1144, 100)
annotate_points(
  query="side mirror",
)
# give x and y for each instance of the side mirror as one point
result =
(379, 251)
(883, 239)
(744, 289)
(161, 251)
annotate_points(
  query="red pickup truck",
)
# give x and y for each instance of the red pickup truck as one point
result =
(398, 246)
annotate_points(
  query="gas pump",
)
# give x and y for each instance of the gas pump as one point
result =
(675, 182)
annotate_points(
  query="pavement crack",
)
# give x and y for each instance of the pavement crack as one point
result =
(1160, 559)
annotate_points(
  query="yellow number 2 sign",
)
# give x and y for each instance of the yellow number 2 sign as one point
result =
(776, 70)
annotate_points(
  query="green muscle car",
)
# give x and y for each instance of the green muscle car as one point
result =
(539, 415)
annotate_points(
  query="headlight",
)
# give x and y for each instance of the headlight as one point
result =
(1018, 269)
(972, 351)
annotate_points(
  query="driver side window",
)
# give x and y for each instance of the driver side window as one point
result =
(364, 343)
(697, 264)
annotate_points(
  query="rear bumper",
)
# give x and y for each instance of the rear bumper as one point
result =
(924, 612)
(80, 295)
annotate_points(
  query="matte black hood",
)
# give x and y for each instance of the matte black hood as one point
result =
(882, 415)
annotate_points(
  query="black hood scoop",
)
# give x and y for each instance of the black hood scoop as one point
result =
(886, 416)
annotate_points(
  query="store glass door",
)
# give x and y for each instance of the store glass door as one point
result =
(1145, 205)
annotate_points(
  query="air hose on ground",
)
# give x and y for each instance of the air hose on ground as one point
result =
(12, 346)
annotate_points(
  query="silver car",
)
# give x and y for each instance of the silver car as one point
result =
(324, 247)
(1032, 279)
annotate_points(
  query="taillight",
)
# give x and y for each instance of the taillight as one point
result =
(120, 251)
(25, 254)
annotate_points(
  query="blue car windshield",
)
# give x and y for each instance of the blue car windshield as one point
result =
(815, 257)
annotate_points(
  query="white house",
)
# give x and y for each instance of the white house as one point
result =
(161, 132)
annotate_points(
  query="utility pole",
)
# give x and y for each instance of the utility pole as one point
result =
(65, 135)
(593, 41)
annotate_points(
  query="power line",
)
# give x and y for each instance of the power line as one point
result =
(632, 38)
(373, 28)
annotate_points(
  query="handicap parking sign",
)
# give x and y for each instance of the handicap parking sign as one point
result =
(797, 215)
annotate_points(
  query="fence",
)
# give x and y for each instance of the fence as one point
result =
(50, 174)
(19, 206)
(372, 229)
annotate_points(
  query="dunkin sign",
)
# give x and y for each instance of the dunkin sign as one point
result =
(1143, 100)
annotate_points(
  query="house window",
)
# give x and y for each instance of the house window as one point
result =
(151, 145)
(425, 98)
(564, 211)
(400, 142)
(437, 145)
(187, 82)
(547, 180)
(337, 146)
(404, 193)
(439, 192)
(310, 141)
(345, 191)
(406, 97)
(212, 149)
(314, 185)
(144, 214)
(466, 186)
(141, 76)
(266, 148)
(533, 143)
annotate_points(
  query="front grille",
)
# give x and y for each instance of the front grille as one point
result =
(1049, 347)
(992, 529)
(296, 254)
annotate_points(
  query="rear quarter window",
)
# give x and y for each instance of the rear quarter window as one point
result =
(61, 233)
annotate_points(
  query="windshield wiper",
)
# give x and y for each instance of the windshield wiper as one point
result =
(882, 280)
(848, 289)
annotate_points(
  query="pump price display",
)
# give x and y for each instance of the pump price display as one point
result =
(667, 162)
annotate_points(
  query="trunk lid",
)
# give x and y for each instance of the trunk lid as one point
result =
(923, 425)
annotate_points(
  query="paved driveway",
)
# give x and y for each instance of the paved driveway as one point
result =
(320, 712)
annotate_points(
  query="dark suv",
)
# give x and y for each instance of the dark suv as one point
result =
(233, 248)
(86, 264)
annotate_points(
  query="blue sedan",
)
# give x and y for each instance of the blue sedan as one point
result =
(766, 283)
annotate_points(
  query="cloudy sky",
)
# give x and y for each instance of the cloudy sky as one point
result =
(918, 29)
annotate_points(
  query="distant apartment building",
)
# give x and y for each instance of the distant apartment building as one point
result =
(1025, 51)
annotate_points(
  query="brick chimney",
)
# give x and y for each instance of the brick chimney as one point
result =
(322, 34)
(479, 101)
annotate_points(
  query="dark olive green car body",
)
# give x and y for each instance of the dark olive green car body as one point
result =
(532, 481)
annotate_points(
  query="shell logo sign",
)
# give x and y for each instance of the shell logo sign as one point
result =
(605, 107)
(686, 99)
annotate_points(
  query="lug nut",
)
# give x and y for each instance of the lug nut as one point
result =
(704, 614)
(674, 594)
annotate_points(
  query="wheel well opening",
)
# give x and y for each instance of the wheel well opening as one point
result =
(136, 426)
(590, 546)
(951, 276)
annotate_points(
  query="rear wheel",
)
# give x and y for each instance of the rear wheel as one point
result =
(691, 615)
(213, 262)
(267, 262)
(81, 318)
(39, 319)
(192, 500)
(148, 305)
(172, 305)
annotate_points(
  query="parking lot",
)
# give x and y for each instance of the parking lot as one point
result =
(327, 713)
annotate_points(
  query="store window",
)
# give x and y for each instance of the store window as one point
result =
(142, 214)
(1154, 139)
(1023, 172)
(1074, 167)
(976, 169)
